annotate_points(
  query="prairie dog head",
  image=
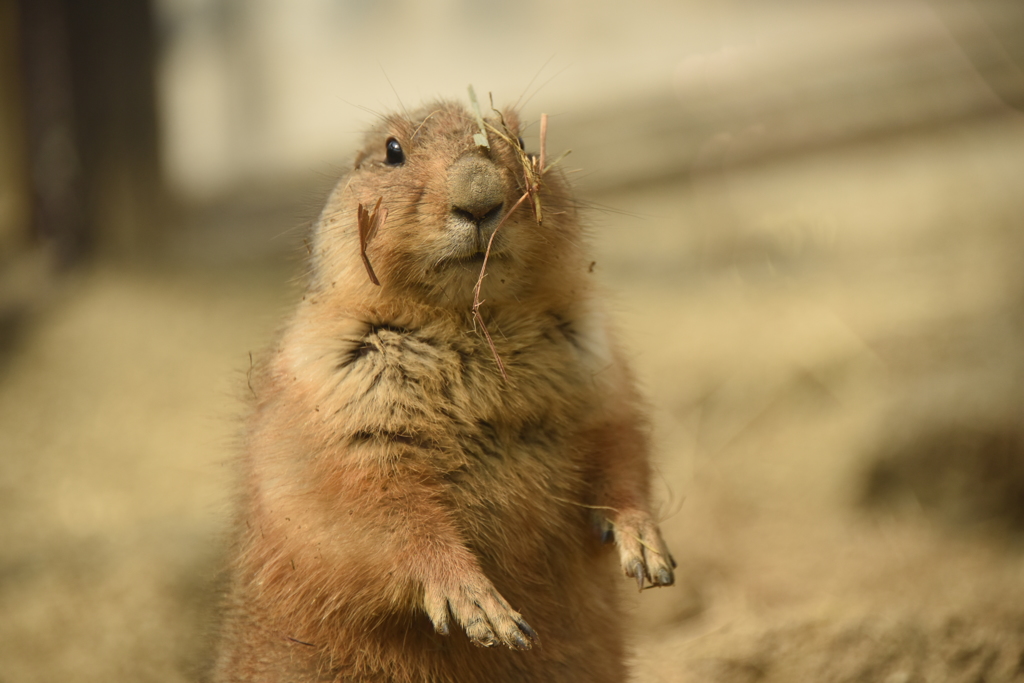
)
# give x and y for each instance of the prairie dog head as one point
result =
(445, 197)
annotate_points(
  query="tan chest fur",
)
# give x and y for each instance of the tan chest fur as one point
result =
(506, 452)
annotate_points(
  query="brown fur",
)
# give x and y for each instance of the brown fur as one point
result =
(402, 503)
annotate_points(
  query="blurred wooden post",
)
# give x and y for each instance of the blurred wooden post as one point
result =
(51, 140)
(92, 140)
(14, 173)
(113, 68)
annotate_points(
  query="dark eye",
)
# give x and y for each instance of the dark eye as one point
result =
(395, 155)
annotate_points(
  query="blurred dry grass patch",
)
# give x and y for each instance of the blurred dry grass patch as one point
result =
(117, 418)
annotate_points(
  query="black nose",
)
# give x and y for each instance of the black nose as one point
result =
(480, 216)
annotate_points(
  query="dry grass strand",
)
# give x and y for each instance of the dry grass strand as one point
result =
(534, 169)
(369, 223)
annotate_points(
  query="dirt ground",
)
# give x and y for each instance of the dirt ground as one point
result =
(832, 347)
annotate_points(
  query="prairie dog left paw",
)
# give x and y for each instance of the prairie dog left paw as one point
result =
(642, 551)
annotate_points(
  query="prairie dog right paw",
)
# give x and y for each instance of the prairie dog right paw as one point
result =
(481, 611)
(642, 551)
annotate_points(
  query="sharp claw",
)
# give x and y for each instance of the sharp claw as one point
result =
(607, 536)
(441, 625)
(482, 638)
(638, 572)
(672, 560)
(665, 578)
(526, 629)
(519, 642)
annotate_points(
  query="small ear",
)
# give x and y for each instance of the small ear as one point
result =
(511, 117)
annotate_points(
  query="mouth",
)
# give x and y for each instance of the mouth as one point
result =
(471, 260)
(476, 259)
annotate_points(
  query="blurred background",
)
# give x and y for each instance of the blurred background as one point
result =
(810, 216)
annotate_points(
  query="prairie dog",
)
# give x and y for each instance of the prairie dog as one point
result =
(404, 506)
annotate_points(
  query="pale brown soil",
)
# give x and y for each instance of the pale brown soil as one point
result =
(832, 346)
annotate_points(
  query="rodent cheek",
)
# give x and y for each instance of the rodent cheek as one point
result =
(415, 247)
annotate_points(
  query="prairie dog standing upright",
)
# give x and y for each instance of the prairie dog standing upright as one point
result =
(403, 503)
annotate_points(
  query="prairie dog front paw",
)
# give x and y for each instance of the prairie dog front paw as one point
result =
(642, 551)
(480, 610)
